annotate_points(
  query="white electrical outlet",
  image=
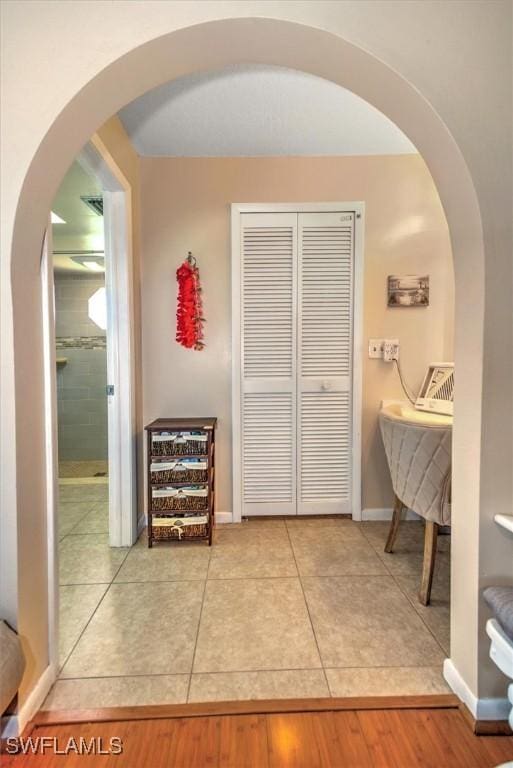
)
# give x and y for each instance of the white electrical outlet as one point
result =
(390, 350)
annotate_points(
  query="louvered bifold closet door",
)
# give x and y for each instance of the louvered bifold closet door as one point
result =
(268, 371)
(325, 273)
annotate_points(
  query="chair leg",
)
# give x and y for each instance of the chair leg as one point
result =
(394, 525)
(428, 568)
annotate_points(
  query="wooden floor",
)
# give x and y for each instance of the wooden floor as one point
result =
(435, 735)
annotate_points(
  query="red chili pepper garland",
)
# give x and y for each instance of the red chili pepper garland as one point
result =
(189, 315)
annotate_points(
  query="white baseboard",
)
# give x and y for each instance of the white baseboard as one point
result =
(481, 709)
(223, 517)
(17, 723)
(385, 513)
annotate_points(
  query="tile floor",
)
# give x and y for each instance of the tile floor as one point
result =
(83, 468)
(275, 609)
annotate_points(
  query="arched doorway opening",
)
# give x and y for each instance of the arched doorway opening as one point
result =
(212, 46)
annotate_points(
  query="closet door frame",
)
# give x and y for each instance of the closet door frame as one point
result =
(358, 208)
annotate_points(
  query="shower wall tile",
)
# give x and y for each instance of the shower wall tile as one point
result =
(81, 381)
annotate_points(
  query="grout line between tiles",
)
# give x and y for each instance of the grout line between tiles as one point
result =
(407, 596)
(109, 584)
(245, 671)
(207, 578)
(308, 612)
(199, 623)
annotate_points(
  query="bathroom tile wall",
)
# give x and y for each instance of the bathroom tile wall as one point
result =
(81, 381)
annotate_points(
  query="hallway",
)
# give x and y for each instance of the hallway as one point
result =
(275, 609)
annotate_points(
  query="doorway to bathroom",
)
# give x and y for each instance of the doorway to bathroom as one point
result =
(80, 330)
(88, 304)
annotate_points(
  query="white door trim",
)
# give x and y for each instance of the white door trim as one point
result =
(51, 454)
(120, 346)
(359, 210)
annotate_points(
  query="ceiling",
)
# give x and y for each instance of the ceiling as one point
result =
(258, 110)
(83, 229)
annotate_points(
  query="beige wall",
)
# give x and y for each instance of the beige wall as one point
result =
(185, 206)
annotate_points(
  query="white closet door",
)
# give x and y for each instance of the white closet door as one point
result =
(326, 246)
(269, 362)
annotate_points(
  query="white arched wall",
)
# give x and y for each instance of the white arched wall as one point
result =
(210, 46)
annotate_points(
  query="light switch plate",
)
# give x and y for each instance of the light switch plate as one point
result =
(376, 347)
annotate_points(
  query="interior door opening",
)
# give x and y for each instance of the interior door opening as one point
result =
(297, 364)
(87, 304)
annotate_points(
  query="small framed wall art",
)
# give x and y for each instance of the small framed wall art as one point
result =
(408, 290)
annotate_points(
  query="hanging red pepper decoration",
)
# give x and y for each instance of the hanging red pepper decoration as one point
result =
(189, 315)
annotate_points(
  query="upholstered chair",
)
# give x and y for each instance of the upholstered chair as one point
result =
(419, 459)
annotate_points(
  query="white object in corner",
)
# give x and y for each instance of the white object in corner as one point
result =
(480, 709)
(501, 653)
(505, 521)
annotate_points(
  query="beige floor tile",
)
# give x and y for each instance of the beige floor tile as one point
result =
(257, 523)
(366, 621)
(98, 692)
(167, 562)
(139, 629)
(88, 559)
(235, 558)
(409, 539)
(69, 516)
(336, 557)
(409, 565)
(270, 684)
(77, 603)
(255, 624)
(96, 521)
(82, 468)
(82, 482)
(251, 534)
(437, 615)
(387, 681)
(85, 491)
(341, 531)
(298, 521)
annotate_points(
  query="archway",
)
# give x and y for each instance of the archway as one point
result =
(214, 45)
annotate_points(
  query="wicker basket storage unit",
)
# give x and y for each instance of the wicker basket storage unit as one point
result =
(181, 454)
(179, 471)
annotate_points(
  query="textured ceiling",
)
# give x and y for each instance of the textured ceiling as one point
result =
(258, 110)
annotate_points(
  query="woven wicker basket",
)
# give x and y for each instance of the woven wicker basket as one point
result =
(180, 476)
(179, 503)
(166, 532)
(174, 448)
